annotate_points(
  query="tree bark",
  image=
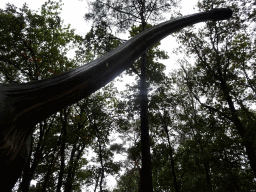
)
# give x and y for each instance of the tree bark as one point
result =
(146, 172)
(62, 148)
(70, 176)
(250, 150)
(102, 170)
(175, 182)
(24, 186)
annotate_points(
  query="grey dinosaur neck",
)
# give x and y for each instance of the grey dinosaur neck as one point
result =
(65, 89)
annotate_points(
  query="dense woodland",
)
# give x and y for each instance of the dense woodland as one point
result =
(201, 116)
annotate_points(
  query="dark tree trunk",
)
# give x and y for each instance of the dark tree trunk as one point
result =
(146, 172)
(250, 150)
(73, 163)
(62, 148)
(30, 169)
(70, 177)
(101, 158)
(96, 183)
(208, 177)
(49, 171)
(205, 164)
(24, 186)
(174, 172)
(175, 182)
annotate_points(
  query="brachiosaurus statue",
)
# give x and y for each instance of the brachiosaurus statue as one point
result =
(24, 105)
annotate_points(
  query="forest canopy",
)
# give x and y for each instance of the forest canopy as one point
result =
(201, 116)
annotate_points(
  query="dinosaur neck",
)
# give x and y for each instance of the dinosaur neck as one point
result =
(42, 98)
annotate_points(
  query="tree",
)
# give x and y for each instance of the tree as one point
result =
(100, 113)
(57, 162)
(204, 156)
(30, 41)
(211, 156)
(34, 46)
(224, 71)
(123, 15)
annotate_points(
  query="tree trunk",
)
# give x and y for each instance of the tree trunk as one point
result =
(24, 186)
(102, 169)
(146, 172)
(175, 182)
(62, 149)
(238, 124)
(49, 171)
(70, 177)
(208, 177)
(47, 175)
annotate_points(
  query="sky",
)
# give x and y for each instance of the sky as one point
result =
(74, 10)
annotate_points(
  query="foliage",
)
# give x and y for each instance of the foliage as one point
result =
(196, 141)
(121, 15)
(35, 46)
(220, 86)
(201, 117)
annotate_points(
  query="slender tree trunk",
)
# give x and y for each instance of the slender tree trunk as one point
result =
(205, 164)
(99, 180)
(30, 169)
(28, 174)
(62, 149)
(174, 172)
(76, 154)
(175, 182)
(102, 170)
(146, 171)
(96, 184)
(206, 167)
(139, 185)
(250, 150)
(70, 177)
(208, 177)
(62, 165)
(24, 186)
(48, 173)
